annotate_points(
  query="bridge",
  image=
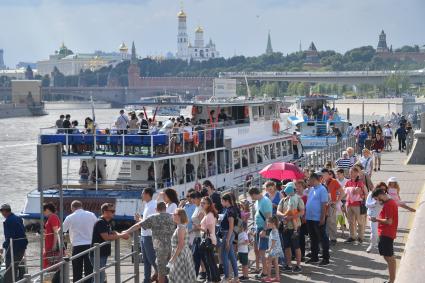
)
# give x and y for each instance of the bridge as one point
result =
(352, 77)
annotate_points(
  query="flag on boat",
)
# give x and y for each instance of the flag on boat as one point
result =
(325, 112)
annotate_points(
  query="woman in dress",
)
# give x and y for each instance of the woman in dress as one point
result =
(51, 253)
(182, 268)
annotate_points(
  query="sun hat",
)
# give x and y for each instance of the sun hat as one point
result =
(392, 180)
(289, 188)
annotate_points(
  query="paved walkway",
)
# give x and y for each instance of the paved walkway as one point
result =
(350, 262)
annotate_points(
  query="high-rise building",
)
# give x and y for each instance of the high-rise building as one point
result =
(2, 66)
(199, 51)
(382, 43)
(269, 48)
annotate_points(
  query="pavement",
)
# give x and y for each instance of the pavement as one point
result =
(350, 263)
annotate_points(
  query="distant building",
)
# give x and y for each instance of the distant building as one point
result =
(382, 43)
(2, 66)
(199, 51)
(16, 74)
(312, 56)
(269, 48)
(384, 52)
(69, 63)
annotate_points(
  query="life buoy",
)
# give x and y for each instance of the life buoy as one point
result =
(194, 110)
(274, 126)
(277, 127)
(246, 111)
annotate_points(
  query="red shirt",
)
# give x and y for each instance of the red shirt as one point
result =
(389, 210)
(333, 187)
(52, 221)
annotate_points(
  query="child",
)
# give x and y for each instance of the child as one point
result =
(274, 251)
(394, 192)
(243, 250)
(245, 211)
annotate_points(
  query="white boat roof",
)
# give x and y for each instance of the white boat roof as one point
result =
(248, 141)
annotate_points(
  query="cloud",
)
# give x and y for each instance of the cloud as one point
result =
(37, 27)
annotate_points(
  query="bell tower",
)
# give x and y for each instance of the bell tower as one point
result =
(182, 37)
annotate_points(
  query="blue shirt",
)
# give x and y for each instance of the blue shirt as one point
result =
(189, 209)
(316, 197)
(275, 200)
(13, 228)
(265, 206)
(362, 137)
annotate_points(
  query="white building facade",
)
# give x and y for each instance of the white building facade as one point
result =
(199, 51)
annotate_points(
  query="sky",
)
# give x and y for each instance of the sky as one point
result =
(33, 29)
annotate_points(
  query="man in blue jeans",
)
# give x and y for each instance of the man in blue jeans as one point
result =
(263, 210)
(316, 219)
(102, 232)
(148, 251)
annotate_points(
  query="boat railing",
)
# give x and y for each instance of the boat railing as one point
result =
(133, 143)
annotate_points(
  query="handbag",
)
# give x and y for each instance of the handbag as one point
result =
(206, 242)
(363, 208)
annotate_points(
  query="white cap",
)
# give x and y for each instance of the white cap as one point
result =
(392, 180)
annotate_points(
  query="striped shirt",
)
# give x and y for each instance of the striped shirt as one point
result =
(344, 163)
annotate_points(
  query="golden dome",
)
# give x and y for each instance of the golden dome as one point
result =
(123, 47)
(199, 29)
(181, 14)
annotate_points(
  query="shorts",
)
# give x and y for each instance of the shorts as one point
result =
(262, 243)
(291, 239)
(377, 154)
(340, 219)
(243, 258)
(386, 246)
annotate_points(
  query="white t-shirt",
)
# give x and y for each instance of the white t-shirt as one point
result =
(388, 132)
(122, 122)
(80, 226)
(150, 209)
(342, 182)
(171, 207)
(242, 246)
(367, 164)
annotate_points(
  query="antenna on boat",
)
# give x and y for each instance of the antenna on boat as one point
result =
(247, 87)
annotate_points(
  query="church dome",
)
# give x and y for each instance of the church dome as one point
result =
(123, 47)
(181, 14)
(199, 29)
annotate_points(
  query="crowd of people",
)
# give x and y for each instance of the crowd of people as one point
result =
(183, 132)
(206, 235)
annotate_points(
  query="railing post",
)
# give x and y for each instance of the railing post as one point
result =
(117, 261)
(152, 147)
(136, 245)
(96, 263)
(66, 270)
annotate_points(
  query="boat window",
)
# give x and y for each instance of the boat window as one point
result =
(236, 159)
(289, 146)
(211, 164)
(272, 151)
(201, 171)
(284, 148)
(252, 155)
(221, 162)
(239, 114)
(278, 150)
(255, 114)
(229, 163)
(266, 152)
(261, 111)
(244, 158)
(310, 124)
(180, 164)
(259, 151)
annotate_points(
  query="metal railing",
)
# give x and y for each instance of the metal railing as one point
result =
(94, 253)
(318, 158)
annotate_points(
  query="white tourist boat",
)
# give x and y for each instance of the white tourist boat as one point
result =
(162, 105)
(317, 122)
(232, 140)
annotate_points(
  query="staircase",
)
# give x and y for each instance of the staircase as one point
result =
(321, 128)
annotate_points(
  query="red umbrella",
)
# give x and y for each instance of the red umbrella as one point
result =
(281, 171)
